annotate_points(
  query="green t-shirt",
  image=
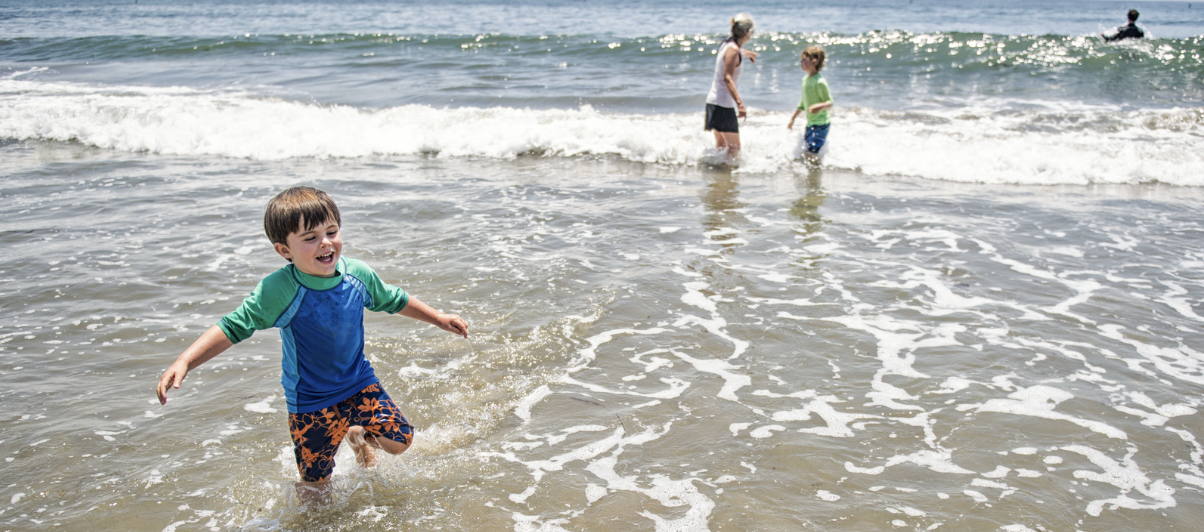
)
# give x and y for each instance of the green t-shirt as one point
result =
(815, 90)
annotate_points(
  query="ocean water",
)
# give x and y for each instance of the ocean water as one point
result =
(983, 310)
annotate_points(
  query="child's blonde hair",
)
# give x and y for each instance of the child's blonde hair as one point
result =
(815, 54)
(286, 211)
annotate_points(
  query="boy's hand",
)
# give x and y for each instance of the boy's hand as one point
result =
(209, 345)
(172, 377)
(452, 323)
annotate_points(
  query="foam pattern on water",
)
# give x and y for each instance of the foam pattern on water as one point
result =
(654, 347)
(980, 142)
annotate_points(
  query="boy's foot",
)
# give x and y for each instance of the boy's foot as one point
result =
(365, 455)
(313, 494)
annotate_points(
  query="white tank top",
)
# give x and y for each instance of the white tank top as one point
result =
(719, 94)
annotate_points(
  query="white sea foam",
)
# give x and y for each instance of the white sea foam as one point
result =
(1161, 413)
(827, 496)
(737, 427)
(1040, 401)
(973, 143)
(1005, 489)
(977, 496)
(600, 458)
(938, 461)
(836, 422)
(896, 350)
(766, 431)
(587, 355)
(1127, 477)
(262, 407)
(414, 371)
(999, 472)
(676, 387)
(731, 381)
(523, 410)
(532, 523)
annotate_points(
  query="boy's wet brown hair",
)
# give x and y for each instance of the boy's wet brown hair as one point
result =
(816, 55)
(286, 211)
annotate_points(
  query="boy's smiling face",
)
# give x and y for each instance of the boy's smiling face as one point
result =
(314, 251)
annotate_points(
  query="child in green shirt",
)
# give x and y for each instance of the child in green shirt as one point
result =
(816, 100)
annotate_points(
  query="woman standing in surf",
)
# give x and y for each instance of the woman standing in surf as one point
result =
(724, 105)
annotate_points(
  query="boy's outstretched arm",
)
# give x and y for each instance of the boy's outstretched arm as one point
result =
(421, 311)
(209, 345)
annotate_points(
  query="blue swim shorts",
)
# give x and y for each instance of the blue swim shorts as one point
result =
(815, 137)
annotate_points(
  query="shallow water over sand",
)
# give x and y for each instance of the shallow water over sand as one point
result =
(654, 347)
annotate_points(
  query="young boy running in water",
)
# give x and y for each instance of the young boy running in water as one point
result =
(816, 101)
(318, 302)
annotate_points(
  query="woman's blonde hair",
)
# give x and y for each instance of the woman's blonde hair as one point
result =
(742, 24)
(815, 54)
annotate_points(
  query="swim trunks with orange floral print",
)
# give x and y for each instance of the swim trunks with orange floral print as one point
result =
(316, 435)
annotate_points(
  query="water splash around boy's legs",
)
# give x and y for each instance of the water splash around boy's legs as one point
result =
(313, 494)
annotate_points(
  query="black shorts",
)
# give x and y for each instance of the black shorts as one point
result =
(722, 119)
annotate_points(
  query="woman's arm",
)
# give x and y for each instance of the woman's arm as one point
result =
(731, 59)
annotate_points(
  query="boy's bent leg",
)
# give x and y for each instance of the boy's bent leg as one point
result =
(364, 455)
(383, 424)
(389, 446)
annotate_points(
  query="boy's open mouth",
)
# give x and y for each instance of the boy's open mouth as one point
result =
(327, 258)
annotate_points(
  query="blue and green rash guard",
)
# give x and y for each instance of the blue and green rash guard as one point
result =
(321, 322)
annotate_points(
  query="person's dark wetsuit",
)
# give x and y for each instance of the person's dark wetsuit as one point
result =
(1129, 31)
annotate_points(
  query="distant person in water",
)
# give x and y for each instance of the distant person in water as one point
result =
(815, 102)
(724, 105)
(1128, 31)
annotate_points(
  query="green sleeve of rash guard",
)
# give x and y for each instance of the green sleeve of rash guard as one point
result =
(385, 297)
(260, 310)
